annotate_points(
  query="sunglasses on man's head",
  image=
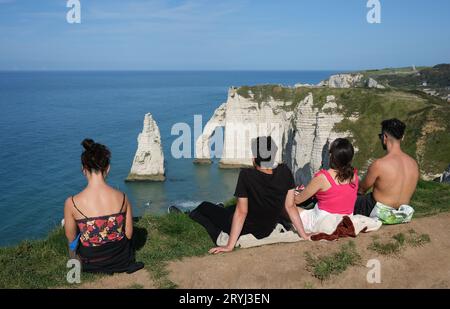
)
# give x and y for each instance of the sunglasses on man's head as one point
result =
(381, 136)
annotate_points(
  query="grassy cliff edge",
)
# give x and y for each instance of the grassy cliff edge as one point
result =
(42, 263)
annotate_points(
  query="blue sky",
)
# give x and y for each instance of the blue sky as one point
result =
(222, 34)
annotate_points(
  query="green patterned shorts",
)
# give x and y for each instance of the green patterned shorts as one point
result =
(391, 216)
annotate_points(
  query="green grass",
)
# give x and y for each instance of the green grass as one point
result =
(391, 71)
(323, 267)
(398, 242)
(390, 247)
(170, 237)
(431, 198)
(416, 240)
(291, 96)
(36, 264)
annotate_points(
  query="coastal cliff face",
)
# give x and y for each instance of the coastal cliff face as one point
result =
(342, 81)
(148, 163)
(302, 132)
(202, 148)
(314, 131)
(247, 119)
(243, 119)
(304, 120)
(350, 81)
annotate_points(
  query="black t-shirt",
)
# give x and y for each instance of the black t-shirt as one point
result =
(266, 196)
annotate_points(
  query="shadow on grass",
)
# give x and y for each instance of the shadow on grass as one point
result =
(140, 236)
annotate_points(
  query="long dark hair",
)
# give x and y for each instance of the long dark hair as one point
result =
(341, 156)
(95, 157)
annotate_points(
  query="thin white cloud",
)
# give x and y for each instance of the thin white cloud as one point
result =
(145, 17)
(138, 16)
(187, 11)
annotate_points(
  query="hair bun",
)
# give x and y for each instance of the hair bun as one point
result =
(95, 157)
(88, 144)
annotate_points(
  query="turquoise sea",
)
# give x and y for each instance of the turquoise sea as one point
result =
(45, 116)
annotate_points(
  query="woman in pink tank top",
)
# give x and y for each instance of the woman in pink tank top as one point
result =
(336, 188)
(339, 198)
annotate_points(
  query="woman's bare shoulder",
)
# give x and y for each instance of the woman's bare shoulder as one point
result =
(68, 202)
(118, 195)
(320, 179)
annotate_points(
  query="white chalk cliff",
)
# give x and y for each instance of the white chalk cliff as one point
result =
(343, 81)
(314, 131)
(350, 81)
(202, 147)
(302, 133)
(148, 163)
(372, 83)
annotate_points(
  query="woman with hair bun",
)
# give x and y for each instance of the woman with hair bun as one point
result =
(98, 220)
(335, 189)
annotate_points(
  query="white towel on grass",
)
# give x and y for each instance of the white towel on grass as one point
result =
(279, 235)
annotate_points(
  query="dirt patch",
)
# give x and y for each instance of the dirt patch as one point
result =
(138, 280)
(284, 265)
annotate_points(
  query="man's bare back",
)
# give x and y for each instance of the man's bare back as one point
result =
(397, 177)
(393, 178)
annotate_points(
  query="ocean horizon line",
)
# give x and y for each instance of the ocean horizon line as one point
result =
(206, 70)
(175, 71)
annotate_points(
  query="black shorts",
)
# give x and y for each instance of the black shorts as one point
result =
(364, 205)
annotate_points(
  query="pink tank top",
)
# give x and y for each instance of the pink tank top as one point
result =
(339, 199)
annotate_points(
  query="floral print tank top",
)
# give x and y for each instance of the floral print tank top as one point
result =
(97, 231)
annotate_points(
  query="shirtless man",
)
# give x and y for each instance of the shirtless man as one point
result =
(393, 178)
